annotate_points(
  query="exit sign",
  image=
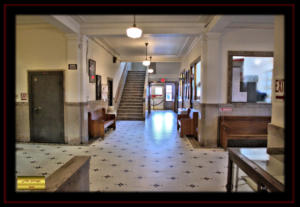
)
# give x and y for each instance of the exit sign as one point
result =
(279, 88)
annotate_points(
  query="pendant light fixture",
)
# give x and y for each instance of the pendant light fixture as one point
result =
(150, 70)
(146, 62)
(134, 32)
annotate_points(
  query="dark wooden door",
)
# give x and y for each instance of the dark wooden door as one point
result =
(46, 106)
(176, 97)
(110, 92)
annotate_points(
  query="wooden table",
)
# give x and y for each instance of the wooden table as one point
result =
(261, 167)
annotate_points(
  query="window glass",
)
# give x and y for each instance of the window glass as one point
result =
(252, 79)
(198, 79)
(158, 91)
(168, 92)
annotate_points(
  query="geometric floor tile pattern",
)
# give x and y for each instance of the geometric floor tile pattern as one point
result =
(138, 156)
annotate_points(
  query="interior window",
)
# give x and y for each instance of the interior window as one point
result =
(198, 80)
(252, 79)
(168, 92)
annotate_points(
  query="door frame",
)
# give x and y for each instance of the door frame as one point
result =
(29, 77)
(112, 90)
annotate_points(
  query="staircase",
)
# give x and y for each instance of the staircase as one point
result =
(131, 105)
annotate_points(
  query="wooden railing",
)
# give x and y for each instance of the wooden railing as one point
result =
(121, 85)
(145, 98)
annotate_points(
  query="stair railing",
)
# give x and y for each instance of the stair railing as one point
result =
(121, 86)
(145, 98)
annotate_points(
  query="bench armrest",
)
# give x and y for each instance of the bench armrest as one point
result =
(180, 116)
(110, 116)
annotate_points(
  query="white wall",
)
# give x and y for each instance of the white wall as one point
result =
(38, 48)
(167, 70)
(190, 57)
(104, 67)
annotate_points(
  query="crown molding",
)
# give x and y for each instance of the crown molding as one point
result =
(192, 45)
(102, 43)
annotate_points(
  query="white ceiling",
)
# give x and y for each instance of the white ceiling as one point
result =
(170, 36)
(159, 44)
(141, 18)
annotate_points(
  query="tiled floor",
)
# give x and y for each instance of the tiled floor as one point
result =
(137, 156)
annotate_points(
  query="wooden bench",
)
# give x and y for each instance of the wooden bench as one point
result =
(243, 128)
(188, 123)
(98, 121)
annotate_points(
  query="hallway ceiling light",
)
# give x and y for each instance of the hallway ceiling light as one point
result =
(134, 32)
(150, 70)
(146, 62)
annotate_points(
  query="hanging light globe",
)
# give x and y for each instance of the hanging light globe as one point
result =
(150, 70)
(134, 32)
(146, 62)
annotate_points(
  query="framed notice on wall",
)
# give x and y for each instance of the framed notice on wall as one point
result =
(92, 71)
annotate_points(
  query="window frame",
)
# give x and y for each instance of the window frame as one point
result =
(172, 99)
(193, 69)
(157, 87)
(230, 64)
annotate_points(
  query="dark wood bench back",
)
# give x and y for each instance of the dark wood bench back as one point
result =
(246, 124)
(194, 116)
(240, 129)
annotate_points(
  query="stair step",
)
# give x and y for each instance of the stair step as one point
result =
(133, 104)
(126, 111)
(133, 93)
(130, 107)
(137, 71)
(131, 99)
(139, 115)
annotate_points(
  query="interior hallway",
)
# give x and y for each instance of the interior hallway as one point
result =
(137, 156)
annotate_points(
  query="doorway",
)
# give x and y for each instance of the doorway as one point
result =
(46, 106)
(110, 91)
(169, 103)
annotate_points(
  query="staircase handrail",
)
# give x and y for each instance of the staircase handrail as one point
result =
(145, 93)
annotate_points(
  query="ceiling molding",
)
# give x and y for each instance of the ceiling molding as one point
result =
(102, 43)
(184, 46)
(266, 26)
(161, 58)
(148, 28)
(192, 45)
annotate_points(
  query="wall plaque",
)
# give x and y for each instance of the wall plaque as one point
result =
(72, 66)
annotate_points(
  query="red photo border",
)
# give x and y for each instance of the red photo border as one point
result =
(5, 6)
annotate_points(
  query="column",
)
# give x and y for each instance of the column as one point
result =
(211, 88)
(276, 127)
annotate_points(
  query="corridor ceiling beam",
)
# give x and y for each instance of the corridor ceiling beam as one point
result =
(99, 29)
(161, 58)
(65, 23)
